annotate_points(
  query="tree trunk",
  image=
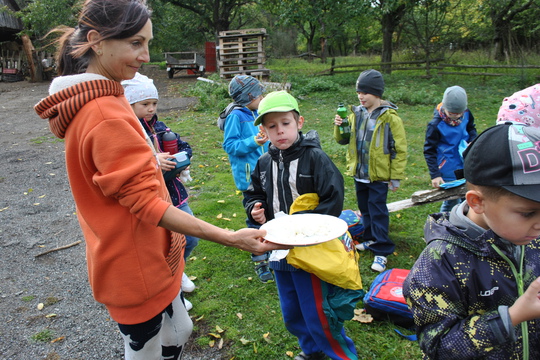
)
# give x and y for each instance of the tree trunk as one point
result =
(389, 21)
(386, 55)
(502, 27)
(33, 64)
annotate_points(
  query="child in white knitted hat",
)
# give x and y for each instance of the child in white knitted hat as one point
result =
(143, 96)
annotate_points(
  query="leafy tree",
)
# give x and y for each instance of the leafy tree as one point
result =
(428, 27)
(216, 15)
(390, 13)
(326, 18)
(503, 14)
(40, 16)
(176, 29)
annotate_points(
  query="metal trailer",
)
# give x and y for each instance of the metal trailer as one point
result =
(192, 62)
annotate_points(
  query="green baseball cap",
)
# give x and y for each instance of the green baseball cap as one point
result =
(277, 101)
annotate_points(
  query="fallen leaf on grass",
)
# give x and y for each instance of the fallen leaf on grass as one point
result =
(266, 337)
(240, 316)
(217, 336)
(220, 344)
(244, 341)
(211, 343)
(361, 316)
(289, 354)
(219, 330)
(199, 318)
(219, 216)
(221, 201)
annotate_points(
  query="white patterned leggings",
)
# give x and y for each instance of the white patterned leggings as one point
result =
(161, 338)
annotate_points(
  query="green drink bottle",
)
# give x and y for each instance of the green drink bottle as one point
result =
(344, 128)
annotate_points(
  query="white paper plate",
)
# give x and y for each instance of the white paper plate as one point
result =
(304, 229)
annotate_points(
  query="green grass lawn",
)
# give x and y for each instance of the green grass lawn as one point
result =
(230, 304)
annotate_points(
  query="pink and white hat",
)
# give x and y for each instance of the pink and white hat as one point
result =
(521, 107)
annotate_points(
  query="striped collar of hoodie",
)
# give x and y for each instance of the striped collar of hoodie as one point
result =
(68, 94)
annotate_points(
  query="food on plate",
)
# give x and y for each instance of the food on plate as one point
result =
(304, 229)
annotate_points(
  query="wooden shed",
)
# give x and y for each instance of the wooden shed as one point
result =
(9, 24)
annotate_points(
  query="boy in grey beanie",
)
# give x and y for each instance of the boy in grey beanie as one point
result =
(447, 135)
(376, 158)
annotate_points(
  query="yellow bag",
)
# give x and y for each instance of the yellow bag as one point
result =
(334, 261)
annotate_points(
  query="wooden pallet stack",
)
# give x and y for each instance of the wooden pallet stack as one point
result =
(242, 52)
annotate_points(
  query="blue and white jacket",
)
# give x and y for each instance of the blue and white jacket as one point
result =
(443, 143)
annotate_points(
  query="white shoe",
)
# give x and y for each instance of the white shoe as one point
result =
(187, 285)
(364, 246)
(379, 263)
(188, 304)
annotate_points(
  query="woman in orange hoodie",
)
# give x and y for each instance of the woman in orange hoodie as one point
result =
(133, 234)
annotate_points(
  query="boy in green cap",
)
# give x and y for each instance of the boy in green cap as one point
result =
(295, 165)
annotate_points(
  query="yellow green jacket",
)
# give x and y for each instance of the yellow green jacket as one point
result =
(388, 149)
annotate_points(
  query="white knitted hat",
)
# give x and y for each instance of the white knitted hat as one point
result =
(139, 88)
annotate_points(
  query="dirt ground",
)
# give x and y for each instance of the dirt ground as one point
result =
(37, 214)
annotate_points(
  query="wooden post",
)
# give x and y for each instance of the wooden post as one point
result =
(29, 50)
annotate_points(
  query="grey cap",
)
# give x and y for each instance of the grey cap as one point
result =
(455, 99)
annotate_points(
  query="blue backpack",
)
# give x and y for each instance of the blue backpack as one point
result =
(385, 301)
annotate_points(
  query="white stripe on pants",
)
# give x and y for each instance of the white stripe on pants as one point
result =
(160, 338)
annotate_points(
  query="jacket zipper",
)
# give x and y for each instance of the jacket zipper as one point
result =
(281, 167)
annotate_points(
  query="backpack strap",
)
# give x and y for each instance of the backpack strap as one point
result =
(223, 115)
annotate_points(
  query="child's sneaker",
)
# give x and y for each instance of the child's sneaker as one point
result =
(379, 263)
(187, 284)
(263, 271)
(364, 246)
(188, 304)
(319, 355)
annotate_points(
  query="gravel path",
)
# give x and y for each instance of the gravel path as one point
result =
(37, 215)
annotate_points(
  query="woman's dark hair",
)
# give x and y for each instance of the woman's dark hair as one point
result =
(112, 19)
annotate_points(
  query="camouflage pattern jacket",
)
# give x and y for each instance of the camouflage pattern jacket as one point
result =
(460, 288)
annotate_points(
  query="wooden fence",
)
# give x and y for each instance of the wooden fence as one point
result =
(429, 66)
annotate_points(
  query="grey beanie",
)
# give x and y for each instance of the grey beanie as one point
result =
(370, 82)
(455, 99)
(244, 89)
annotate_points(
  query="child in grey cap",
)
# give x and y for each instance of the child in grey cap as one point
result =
(447, 135)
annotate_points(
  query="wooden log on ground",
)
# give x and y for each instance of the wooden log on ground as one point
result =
(428, 196)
